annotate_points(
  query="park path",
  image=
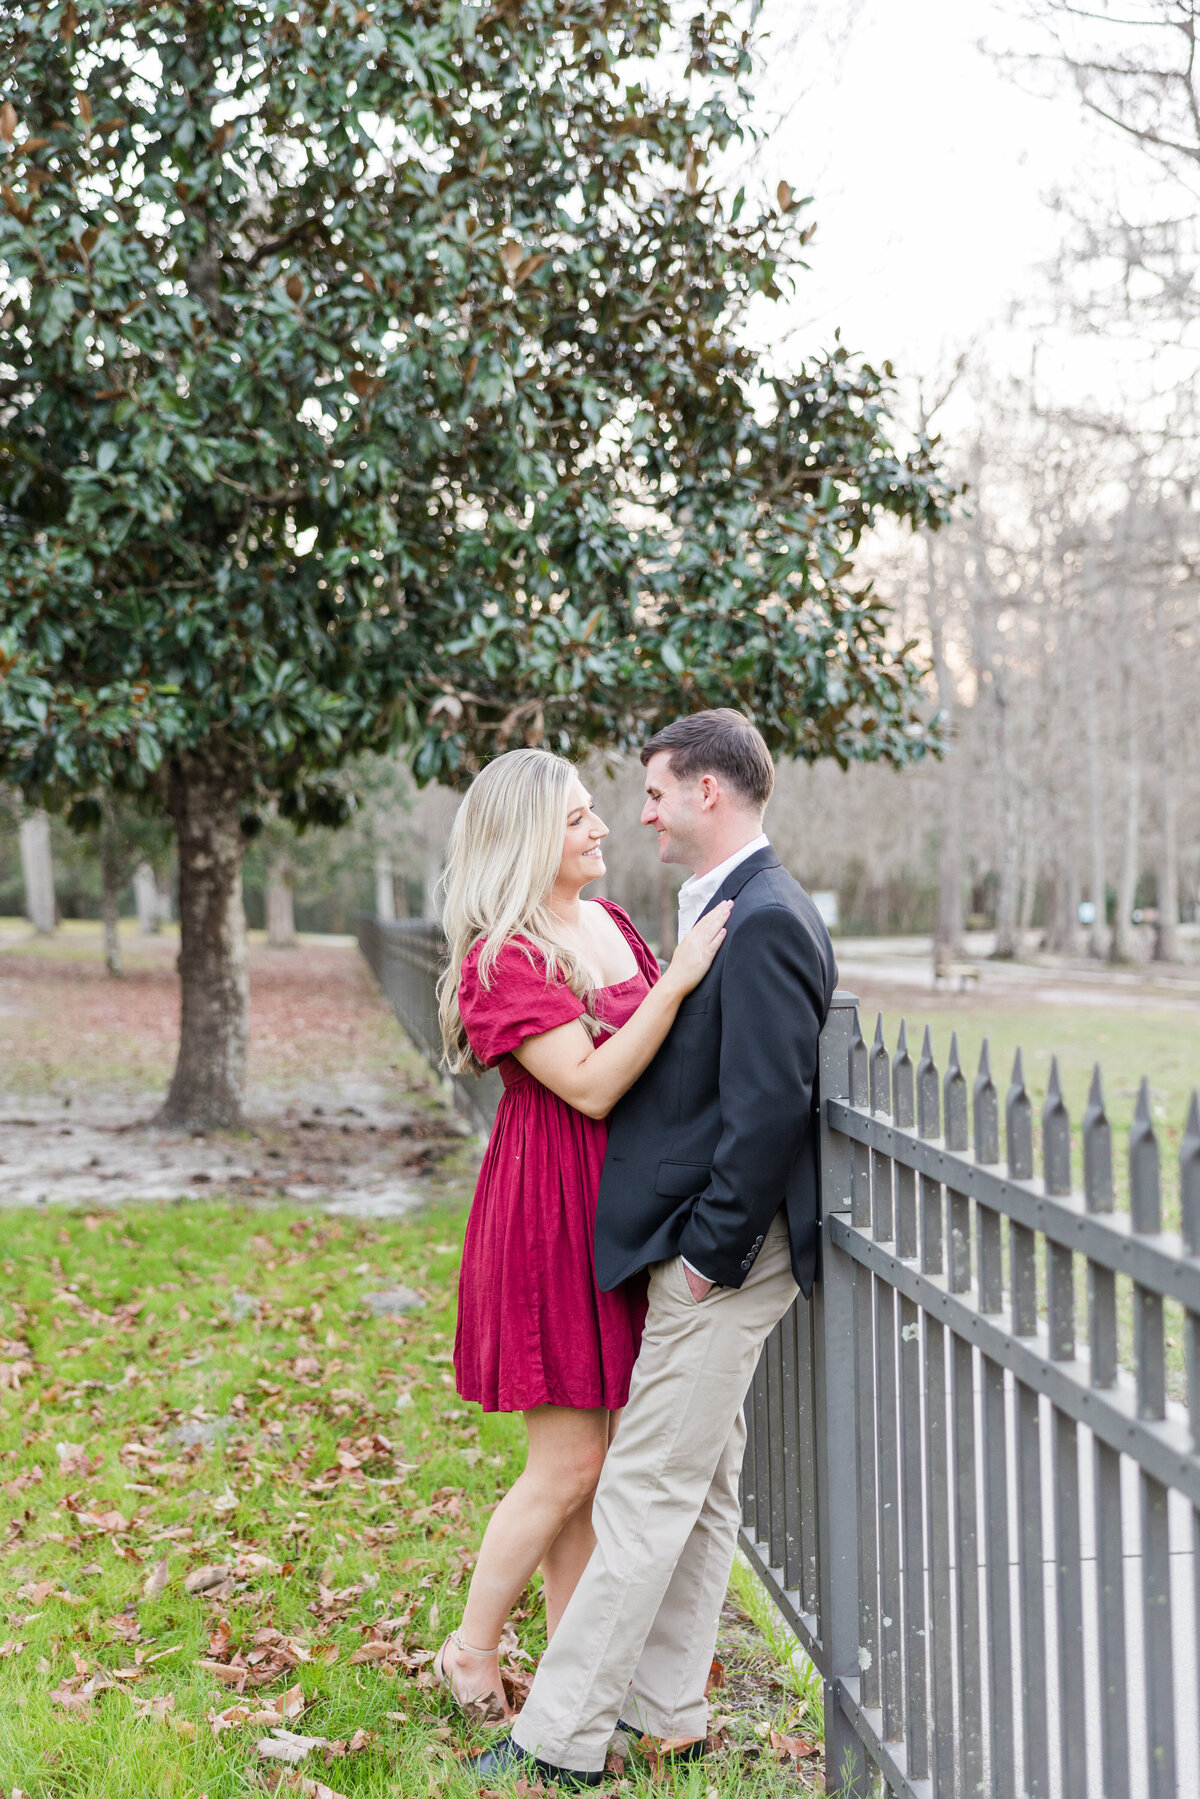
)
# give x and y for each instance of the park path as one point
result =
(904, 965)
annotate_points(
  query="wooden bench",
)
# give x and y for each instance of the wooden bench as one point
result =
(958, 975)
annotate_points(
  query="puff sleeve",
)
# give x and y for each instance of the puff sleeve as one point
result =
(518, 1003)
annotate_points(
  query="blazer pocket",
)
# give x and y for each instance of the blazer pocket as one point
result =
(679, 1180)
(693, 1004)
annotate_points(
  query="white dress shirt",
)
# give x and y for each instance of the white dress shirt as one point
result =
(695, 893)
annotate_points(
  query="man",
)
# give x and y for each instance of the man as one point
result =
(710, 1180)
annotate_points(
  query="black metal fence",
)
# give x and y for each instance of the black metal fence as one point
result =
(981, 1520)
(406, 959)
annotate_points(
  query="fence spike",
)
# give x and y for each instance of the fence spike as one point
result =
(1189, 1176)
(859, 1074)
(1097, 1149)
(928, 1097)
(881, 1086)
(1018, 1125)
(903, 1107)
(954, 1098)
(1145, 1206)
(987, 1111)
(1056, 1137)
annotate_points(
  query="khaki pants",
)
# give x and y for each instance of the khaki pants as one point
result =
(637, 1639)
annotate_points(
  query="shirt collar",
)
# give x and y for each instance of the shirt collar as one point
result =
(697, 890)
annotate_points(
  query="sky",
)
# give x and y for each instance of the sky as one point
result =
(932, 170)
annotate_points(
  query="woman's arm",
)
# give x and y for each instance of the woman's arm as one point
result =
(592, 1076)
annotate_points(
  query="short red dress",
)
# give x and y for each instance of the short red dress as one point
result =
(533, 1326)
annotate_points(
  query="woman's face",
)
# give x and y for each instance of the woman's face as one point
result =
(582, 857)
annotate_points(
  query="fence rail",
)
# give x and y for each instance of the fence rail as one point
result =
(980, 1516)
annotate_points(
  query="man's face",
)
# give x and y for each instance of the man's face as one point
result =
(677, 810)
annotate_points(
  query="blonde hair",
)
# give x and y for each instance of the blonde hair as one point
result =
(505, 849)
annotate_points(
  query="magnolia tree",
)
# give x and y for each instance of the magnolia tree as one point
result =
(371, 372)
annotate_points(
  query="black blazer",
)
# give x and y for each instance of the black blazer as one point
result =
(720, 1131)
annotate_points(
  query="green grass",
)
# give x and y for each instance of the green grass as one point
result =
(1163, 1045)
(151, 1323)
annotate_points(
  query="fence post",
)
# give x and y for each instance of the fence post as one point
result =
(846, 1769)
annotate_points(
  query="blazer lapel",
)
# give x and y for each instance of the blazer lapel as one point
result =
(733, 883)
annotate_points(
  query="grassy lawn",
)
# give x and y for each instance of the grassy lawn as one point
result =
(67, 1029)
(235, 1501)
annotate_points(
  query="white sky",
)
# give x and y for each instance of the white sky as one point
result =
(932, 171)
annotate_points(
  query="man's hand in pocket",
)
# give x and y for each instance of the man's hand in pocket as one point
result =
(698, 1287)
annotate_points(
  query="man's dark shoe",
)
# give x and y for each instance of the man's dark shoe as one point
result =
(506, 1757)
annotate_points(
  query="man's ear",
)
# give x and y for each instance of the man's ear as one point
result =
(710, 792)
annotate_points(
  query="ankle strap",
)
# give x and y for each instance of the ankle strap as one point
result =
(456, 1637)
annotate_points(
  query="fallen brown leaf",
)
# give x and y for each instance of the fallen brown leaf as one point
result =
(156, 1580)
(299, 1783)
(287, 1746)
(112, 1523)
(159, 1708)
(792, 1748)
(208, 1578)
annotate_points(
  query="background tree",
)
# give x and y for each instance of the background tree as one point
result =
(373, 371)
(123, 838)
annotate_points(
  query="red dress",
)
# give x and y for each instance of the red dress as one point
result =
(533, 1326)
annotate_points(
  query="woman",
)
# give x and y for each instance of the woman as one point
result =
(565, 997)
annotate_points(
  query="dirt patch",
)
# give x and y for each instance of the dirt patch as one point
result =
(341, 1113)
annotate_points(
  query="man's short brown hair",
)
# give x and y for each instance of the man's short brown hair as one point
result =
(717, 742)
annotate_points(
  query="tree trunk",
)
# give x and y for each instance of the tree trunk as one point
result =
(146, 899)
(110, 888)
(1008, 942)
(1029, 887)
(1062, 911)
(206, 1090)
(38, 870)
(1009, 937)
(281, 913)
(1123, 941)
(948, 931)
(385, 887)
(1166, 938)
(1098, 929)
(948, 937)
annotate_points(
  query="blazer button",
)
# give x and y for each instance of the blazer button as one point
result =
(745, 1264)
(758, 1242)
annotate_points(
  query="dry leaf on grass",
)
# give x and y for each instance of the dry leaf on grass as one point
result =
(279, 1782)
(660, 1755)
(111, 1524)
(792, 1748)
(157, 1709)
(156, 1580)
(203, 1580)
(286, 1746)
(76, 1694)
(124, 1628)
